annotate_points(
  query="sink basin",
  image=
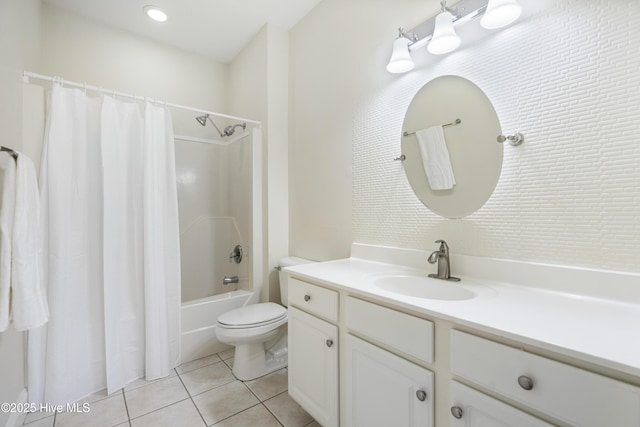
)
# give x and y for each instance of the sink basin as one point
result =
(422, 287)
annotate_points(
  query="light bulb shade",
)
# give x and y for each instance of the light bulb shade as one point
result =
(444, 38)
(500, 13)
(400, 61)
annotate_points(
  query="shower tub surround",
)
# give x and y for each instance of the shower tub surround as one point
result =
(550, 312)
(218, 192)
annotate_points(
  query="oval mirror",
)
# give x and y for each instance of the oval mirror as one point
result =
(473, 152)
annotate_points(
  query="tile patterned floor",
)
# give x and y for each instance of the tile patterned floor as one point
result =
(197, 394)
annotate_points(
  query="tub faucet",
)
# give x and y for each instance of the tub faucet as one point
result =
(441, 256)
(227, 280)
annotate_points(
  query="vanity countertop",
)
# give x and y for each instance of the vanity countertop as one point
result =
(599, 330)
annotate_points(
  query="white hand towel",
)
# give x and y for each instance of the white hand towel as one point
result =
(435, 158)
(22, 297)
(29, 308)
(7, 209)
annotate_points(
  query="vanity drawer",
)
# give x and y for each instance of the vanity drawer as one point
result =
(314, 299)
(472, 408)
(404, 332)
(570, 394)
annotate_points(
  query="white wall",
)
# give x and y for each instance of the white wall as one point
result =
(566, 76)
(258, 88)
(19, 48)
(83, 50)
(331, 54)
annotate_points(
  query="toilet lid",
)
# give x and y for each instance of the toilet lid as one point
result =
(253, 315)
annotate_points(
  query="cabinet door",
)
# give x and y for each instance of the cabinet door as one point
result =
(384, 389)
(313, 366)
(470, 408)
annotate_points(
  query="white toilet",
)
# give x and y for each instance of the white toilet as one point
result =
(259, 332)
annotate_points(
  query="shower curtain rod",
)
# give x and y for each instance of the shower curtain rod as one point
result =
(28, 74)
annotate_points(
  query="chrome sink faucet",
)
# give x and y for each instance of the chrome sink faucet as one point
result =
(441, 256)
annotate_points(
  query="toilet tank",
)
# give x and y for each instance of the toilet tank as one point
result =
(284, 288)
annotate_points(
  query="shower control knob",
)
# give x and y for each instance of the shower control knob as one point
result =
(329, 343)
(456, 411)
(307, 297)
(525, 382)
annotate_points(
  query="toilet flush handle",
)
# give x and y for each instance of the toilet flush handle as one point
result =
(307, 297)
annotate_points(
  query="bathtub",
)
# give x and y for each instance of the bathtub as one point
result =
(199, 318)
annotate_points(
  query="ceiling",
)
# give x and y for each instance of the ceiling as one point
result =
(218, 29)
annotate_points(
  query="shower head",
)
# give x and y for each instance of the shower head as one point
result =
(202, 119)
(229, 130)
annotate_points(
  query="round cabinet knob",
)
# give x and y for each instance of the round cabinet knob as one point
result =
(329, 343)
(307, 297)
(525, 382)
(421, 395)
(456, 411)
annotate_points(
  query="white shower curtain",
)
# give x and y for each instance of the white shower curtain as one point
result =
(161, 245)
(108, 192)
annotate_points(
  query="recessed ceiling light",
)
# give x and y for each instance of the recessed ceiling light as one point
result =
(155, 13)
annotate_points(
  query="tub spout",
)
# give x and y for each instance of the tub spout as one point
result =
(227, 280)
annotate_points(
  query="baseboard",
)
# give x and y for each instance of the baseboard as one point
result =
(16, 419)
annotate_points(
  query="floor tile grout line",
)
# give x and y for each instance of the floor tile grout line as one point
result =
(126, 407)
(228, 366)
(275, 416)
(237, 413)
(191, 398)
(258, 397)
(203, 366)
(213, 388)
(272, 414)
(251, 391)
(158, 409)
(162, 407)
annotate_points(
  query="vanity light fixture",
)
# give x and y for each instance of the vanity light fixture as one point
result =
(400, 61)
(439, 33)
(500, 13)
(444, 39)
(155, 13)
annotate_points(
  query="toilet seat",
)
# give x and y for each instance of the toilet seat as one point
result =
(253, 316)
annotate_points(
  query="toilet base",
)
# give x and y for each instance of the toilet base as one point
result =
(259, 351)
(251, 361)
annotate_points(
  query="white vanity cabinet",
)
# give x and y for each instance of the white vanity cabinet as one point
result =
(408, 357)
(574, 396)
(382, 388)
(313, 351)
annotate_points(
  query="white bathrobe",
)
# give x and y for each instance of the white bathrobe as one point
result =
(22, 297)
(8, 167)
